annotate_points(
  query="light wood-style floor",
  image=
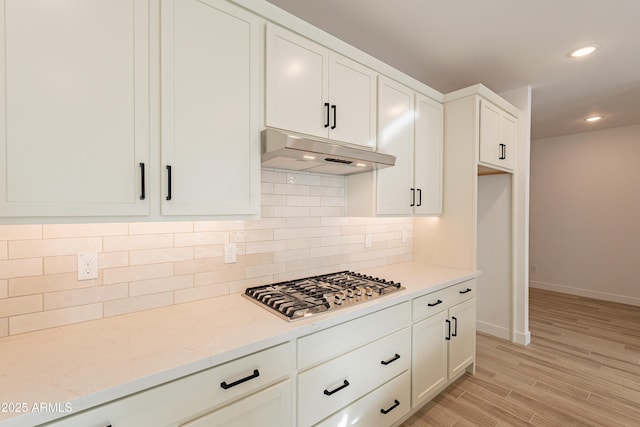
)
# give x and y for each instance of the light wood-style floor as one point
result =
(582, 368)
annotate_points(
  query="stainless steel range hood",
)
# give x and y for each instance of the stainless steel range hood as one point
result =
(287, 150)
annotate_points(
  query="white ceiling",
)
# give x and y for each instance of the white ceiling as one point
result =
(504, 44)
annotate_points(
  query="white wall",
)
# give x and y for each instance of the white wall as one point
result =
(585, 214)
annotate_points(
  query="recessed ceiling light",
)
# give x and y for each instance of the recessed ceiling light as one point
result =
(306, 157)
(584, 51)
(593, 119)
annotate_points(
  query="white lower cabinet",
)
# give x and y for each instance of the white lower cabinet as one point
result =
(345, 368)
(268, 408)
(380, 408)
(242, 384)
(443, 338)
(370, 371)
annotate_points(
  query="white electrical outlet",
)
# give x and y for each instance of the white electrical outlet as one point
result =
(404, 236)
(368, 240)
(230, 253)
(534, 269)
(87, 266)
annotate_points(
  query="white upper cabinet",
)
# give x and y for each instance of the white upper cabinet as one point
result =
(314, 91)
(409, 128)
(211, 68)
(428, 156)
(74, 108)
(497, 136)
(396, 194)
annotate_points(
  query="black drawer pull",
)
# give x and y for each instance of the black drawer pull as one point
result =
(419, 197)
(395, 405)
(433, 304)
(413, 197)
(466, 291)
(448, 337)
(226, 386)
(393, 359)
(142, 189)
(344, 385)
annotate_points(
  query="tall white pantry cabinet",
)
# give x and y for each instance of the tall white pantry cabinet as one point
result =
(81, 129)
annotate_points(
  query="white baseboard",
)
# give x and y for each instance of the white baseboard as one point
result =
(523, 338)
(496, 331)
(585, 293)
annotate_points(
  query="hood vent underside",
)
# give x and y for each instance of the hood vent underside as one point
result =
(303, 153)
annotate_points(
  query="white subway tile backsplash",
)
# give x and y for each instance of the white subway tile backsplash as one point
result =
(144, 265)
(154, 286)
(4, 288)
(136, 273)
(76, 297)
(292, 189)
(52, 318)
(155, 256)
(136, 242)
(52, 247)
(20, 268)
(20, 232)
(4, 327)
(139, 303)
(57, 231)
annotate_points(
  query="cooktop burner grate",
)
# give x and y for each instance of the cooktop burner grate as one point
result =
(301, 298)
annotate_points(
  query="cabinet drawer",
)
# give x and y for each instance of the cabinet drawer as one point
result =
(326, 388)
(430, 304)
(462, 291)
(332, 342)
(190, 395)
(381, 408)
(266, 408)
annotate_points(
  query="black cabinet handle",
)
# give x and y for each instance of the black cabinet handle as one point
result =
(344, 384)
(395, 405)
(466, 291)
(393, 359)
(226, 386)
(168, 182)
(503, 152)
(433, 304)
(419, 197)
(335, 123)
(413, 197)
(142, 192)
(448, 337)
(455, 326)
(326, 123)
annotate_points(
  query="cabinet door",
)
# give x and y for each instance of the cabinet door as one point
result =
(508, 135)
(463, 336)
(490, 150)
(428, 156)
(74, 107)
(296, 83)
(429, 357)
(268, 408)
(211, 67)
(396, 193)
(352, 94)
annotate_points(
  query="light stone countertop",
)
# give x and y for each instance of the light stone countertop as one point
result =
(92, 363)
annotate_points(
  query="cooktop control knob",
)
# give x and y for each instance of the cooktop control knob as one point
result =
(349, 293)
(337, 300)
(368, 291)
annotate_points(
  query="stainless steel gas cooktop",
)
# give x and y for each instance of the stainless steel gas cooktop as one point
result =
(297, 299)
